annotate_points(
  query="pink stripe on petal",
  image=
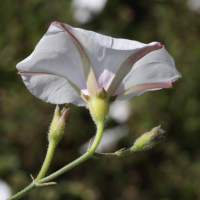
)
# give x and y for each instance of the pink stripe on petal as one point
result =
(141, 53)
(67, 29)
(126, 66)
(147, 86)
(89, 74)
(33, 73)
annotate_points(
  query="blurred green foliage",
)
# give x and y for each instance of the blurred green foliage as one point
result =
(170, 171)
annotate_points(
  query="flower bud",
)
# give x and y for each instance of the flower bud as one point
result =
(149, 139)
(58, 124)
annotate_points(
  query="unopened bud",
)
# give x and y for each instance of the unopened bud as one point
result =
(58, 124)
(149, 139)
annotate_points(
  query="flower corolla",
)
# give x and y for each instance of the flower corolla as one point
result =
(69, 64)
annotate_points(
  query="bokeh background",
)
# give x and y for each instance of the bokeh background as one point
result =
(170, 171)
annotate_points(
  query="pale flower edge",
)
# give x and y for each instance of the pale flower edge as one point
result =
(56, 71)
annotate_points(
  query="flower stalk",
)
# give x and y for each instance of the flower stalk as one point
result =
(146, 141)
(54, 136)
(47, 161)
(74, 75)
(40, 181)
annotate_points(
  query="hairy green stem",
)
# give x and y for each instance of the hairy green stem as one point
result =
(84, 157)
(144, 142)
(47, 161)
(117, 154)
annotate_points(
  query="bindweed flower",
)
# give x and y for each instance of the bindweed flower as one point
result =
(72, 65)
(75, 65)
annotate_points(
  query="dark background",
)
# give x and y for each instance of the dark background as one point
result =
(170, 171)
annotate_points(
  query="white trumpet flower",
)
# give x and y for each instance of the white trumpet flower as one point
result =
(69, 64)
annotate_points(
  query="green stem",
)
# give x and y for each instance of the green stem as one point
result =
(47, 161)
(117, 154)
(84, 157)
(98, 136)
(144, 142)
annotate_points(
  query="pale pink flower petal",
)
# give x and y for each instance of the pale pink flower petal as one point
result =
(127, 65)
(51, 88)
(56, 54)
(156, 68)
(69, 63)
(106, 54)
